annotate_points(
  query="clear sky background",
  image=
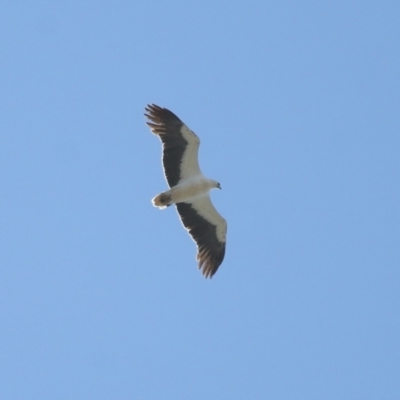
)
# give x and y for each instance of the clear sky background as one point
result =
(297, 104)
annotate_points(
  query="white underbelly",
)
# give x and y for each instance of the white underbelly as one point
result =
(189, 191)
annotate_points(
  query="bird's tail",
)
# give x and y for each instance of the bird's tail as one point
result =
(162, 200)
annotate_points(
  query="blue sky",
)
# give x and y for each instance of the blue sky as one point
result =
(297, 106)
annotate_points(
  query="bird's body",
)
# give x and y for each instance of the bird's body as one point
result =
(189, 188)
(185, 191)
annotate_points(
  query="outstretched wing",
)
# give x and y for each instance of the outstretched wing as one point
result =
(180, 144)
(208, 229)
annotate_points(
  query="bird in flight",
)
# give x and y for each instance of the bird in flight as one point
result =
(189, 188)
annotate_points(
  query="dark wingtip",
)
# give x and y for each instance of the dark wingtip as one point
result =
(156, 113)
(209, 264)
(151, 108)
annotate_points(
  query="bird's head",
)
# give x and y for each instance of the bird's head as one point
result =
(214, 184)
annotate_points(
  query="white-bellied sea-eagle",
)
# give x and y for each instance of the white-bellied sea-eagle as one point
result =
(189, 188)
